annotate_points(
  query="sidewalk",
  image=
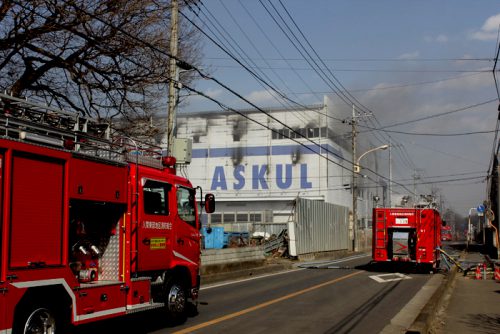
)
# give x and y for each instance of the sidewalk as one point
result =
(470, 305)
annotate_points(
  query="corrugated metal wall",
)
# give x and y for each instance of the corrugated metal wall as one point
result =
(320, 226)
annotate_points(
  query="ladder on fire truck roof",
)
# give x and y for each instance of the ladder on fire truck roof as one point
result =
(23, 120)
(380, 229)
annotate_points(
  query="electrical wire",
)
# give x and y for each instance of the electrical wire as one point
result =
(221, 84)
(256, 49)
(438, 115)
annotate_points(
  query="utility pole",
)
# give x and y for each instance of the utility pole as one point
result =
(390, 174)
(354, 181)
(416, 176)
(172, 90)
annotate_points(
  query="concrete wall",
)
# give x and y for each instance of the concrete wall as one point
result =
(217, 261)
(231, 255)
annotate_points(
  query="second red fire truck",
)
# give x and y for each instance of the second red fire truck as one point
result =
(407, 235)
(92, 225)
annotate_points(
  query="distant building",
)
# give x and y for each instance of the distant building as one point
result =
(256, 166)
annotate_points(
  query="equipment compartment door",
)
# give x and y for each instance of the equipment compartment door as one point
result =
(36, 226)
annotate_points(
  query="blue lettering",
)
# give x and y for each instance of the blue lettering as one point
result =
(238, 175)
(259, 177)
(219, 179)
(304, 184)
(288, 176)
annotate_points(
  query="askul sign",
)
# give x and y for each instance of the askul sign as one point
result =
(256, 177)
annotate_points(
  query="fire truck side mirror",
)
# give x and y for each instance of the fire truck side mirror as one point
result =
(209, 203)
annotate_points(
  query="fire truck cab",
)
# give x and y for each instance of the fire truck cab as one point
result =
(92, 225)
(406, 235)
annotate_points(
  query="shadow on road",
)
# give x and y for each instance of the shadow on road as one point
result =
(139, 323)
(395, 267)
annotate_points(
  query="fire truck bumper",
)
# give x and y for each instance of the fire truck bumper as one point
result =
(196, 289)
(194, 294)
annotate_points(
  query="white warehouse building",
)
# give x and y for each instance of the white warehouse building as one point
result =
(256, 171)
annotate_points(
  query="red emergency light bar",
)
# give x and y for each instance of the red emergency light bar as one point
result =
(169, 161)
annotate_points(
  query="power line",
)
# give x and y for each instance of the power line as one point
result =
(434, 134)
(341, 92)
(363, 108)
(438, 115)
(203, 75)
(384, 70)
(256, 49)
(421, 83)
(378, 59)
(247, 68)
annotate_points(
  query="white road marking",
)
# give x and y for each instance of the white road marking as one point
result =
(393, 277)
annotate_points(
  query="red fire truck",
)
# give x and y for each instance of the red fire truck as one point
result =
(446, 233)
(407, 235)
(92, 226)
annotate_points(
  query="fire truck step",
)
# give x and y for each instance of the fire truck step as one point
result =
(143, 307)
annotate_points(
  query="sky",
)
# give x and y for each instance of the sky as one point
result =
(403, 61)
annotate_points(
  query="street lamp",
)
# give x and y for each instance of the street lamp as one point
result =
(356, 168)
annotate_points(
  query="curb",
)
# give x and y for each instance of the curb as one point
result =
(427, 316)
(419, 313)
(244, 273)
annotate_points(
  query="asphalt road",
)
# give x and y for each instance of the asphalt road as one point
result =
(343, 299)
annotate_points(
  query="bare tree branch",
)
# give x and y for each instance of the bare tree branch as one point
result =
(99, 58)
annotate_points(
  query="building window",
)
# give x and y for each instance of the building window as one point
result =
(216, 218)
(299, 133)
(229, 217)
(242, 218)
(313, 133)
(284, 134)
(255, 217)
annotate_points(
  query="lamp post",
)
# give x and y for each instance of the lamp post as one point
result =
(356, 169)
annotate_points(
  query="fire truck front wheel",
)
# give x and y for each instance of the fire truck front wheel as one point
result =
(37, 320)
(176, 300)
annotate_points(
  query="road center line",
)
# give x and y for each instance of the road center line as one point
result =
(259, 306)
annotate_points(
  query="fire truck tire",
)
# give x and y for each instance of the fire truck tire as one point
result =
(38, 319)
(176, 300)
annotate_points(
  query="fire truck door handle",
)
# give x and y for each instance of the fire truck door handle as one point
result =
(37, 264)
(180, 241)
